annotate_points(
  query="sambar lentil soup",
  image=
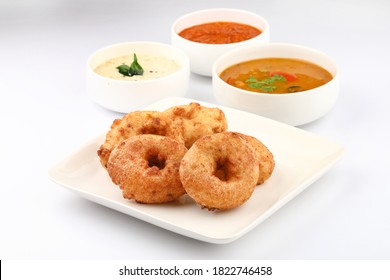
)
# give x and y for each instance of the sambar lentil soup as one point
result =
(276, 75)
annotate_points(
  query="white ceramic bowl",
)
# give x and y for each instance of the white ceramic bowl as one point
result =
(293, 108)
(124, 96)
(202, 56)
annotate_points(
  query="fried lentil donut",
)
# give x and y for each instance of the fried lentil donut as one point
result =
(196, 121)
(220, 171)
(135, 123)
(266, 158)
(146, 167)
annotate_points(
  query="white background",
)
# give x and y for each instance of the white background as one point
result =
(45, 114)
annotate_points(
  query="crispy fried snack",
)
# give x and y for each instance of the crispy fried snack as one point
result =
(220, 171)
(146, 167)
(136, 123)
(266, 158)
(195, 121)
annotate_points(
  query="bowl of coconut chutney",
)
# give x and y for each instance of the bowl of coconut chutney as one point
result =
(129, 76)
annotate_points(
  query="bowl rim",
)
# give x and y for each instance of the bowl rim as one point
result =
(183, 65)
(264, 30)
(334, 79)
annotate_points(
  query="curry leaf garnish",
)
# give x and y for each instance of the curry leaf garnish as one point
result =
(123, 69)
(268, 88)
(266, 84)
(133, 69)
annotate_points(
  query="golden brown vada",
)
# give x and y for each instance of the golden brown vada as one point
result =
(266, 158)
(135, 123)
(220, 171)
(196, 121)
(146, 167)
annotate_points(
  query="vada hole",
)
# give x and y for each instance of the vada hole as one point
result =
(222, 170)
(156, 160)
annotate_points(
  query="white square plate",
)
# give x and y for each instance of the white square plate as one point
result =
(300, 159)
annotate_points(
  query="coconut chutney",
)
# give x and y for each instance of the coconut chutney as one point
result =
(154, 67)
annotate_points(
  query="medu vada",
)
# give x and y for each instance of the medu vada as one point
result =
(266, 158)
(195, 121)
(220, 171)
(135, 123)
(146, 167)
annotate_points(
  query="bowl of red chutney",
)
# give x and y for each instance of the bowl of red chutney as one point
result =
(206, 34)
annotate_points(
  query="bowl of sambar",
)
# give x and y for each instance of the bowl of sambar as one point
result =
(290, 83)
